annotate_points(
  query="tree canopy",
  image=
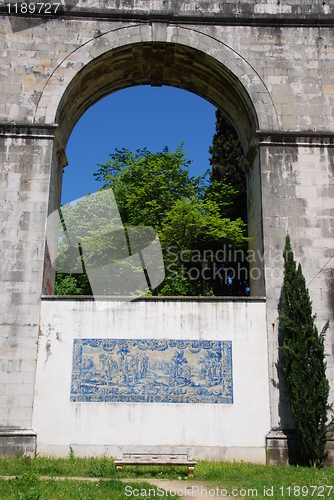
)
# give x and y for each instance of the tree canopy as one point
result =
(191, 216)
(226, 161)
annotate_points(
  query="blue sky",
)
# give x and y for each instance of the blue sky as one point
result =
(135, 118)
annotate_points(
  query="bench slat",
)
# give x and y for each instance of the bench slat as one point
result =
(155, 450)
(148, 455)
(148, 462)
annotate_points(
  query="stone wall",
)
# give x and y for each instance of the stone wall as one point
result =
(267, 65)
(78, 402)
(25, 184)
(297, 189)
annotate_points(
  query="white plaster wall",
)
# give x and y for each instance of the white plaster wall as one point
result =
(230, 431)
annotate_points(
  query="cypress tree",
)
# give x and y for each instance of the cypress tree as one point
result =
(304, 363)
(226, 161)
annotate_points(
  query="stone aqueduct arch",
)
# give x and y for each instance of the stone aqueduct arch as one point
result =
(268, 66)
(167, 57)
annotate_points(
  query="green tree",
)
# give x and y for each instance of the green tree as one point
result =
(156, 190)
(69, 284)
(146, 185)
(304, 362)
(91, 236)
(226, 161)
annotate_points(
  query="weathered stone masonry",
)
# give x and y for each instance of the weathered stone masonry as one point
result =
(268, 65)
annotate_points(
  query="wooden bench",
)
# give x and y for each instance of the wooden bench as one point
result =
(152, 455)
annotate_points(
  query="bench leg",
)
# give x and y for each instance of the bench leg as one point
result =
(191, 471)
(119, 468)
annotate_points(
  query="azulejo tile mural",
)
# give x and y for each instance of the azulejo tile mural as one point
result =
(152, 371)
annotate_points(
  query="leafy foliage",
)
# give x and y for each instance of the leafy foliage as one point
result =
(156, 190)
(146, 185)
(304, 362)
(226, 162)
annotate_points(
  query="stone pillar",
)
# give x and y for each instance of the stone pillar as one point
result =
(297, 173)
(255, 230)
(30, 176)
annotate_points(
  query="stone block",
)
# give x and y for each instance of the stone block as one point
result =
(15, 442)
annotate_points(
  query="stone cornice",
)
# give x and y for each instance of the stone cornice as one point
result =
(36, 132)
(295, 138)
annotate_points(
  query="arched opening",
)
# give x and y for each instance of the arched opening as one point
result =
(175, 65)
(157, 64)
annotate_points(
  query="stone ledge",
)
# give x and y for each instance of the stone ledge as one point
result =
(16, 441)
(215, 12)
(295, 138)
(37, 132)
(150, 298)
(282, 448)
(29, 130)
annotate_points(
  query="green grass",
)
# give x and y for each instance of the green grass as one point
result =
(241, 477)
(43, 466)
(85, 467)
(30, 487)
(246, 476)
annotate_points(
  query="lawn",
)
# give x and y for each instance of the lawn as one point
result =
(30, 487)
(237, 479)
